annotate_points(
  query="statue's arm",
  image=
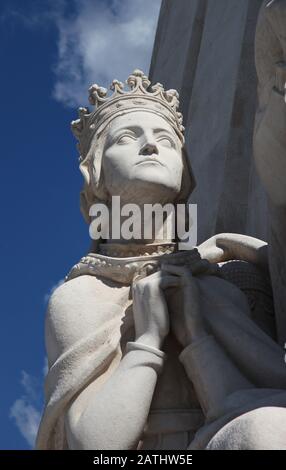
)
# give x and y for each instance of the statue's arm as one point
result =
(230, 360)
(213, 374)
(209, 368)
(113, 415)
(229, 246)
(112, 410)
(270, 126)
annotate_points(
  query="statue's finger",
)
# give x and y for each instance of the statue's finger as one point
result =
(202, 266)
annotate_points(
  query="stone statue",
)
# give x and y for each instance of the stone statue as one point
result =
(270, 141)
(150, 347)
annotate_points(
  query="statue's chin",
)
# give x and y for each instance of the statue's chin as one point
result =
(143, 186)
(155, 188)
(156, 178)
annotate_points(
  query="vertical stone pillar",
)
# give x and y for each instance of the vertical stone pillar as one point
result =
(205, 49)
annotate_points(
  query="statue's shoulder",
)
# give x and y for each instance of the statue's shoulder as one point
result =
(80, 289)
(85, 292)
(79, 307)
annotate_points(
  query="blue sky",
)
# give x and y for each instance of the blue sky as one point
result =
(51, 51)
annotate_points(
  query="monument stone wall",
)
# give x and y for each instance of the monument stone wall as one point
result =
(205, 50)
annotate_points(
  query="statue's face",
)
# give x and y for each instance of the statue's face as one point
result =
(142, 159)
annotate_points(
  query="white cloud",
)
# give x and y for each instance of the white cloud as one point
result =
(103, 41)
(46, 367)
(30, 385)
(98, 40)
(27, 409)
(27, 419)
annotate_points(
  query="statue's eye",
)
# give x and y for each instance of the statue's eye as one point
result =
(166, 141)
(126, 139)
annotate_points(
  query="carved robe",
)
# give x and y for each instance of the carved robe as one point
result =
(238, 361)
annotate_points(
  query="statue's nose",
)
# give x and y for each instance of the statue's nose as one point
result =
(149, 149)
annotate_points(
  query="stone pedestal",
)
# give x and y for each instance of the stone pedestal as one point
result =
(205, 50)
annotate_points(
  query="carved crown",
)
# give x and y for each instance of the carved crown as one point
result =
(140, 96)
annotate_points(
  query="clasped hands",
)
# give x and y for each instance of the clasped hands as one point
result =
(152, 319)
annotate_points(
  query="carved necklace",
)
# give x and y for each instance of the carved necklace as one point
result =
(120, 266)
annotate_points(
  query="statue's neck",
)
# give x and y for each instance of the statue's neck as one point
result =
(134, 224)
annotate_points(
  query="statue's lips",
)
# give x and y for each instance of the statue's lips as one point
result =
(149, 161)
